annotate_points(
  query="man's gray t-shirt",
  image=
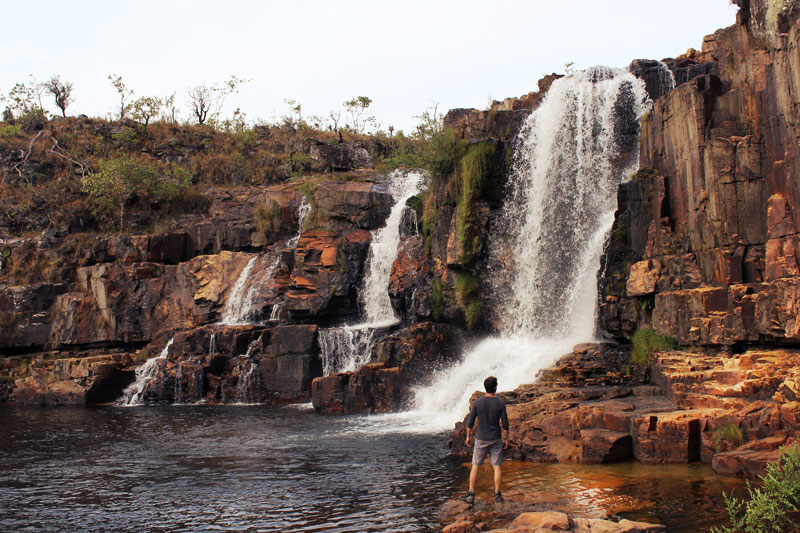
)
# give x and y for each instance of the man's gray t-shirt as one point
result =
(489, 412)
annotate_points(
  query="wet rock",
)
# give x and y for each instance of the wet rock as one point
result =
(404, 361)
(327, 270)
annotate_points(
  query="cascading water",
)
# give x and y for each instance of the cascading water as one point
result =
(239, 306)
(235, 310)
(383, 251)
(349, 347)
(666, 78)
(572, 153)
(134, 393)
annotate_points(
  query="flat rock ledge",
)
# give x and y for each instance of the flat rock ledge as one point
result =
(519, 516)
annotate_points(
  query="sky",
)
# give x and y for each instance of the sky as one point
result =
(405, 55)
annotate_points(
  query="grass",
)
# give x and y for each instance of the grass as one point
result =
(730, 433)
(645, 341)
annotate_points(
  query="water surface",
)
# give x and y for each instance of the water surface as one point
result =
(240, 468)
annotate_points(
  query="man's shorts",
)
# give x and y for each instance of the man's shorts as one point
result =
(492, 448)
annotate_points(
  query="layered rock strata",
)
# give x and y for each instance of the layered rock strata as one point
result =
(704, 246)
(594, 407)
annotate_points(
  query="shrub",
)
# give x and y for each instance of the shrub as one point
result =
(645, 342)
(770, 507)
(730, 433)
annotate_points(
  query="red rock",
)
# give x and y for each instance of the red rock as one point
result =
(541, 521)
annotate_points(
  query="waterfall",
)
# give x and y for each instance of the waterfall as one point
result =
(571, 154)
(239, 306)
(350, 347)
(666, 78)
(383, 251)
(134, 393)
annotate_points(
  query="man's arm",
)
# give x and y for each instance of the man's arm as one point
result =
(473, 413)
(504, 421)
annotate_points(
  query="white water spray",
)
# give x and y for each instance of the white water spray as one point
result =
(572, 153)
(134, 393)
(349, 348)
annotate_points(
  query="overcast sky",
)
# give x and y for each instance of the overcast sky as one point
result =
(405, 55)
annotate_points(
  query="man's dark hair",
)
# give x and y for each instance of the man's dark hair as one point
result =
(490, 384)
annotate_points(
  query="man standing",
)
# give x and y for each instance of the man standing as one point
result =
(490, 411)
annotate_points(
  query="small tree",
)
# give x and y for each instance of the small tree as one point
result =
(125, 94)
(25, 100)
(356, 109)
(206, 101)
(145, 108)
(116, 181)
(61, 91)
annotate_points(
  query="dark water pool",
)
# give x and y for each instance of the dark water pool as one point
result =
(203, 468)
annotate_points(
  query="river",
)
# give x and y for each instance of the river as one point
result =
(256, 468)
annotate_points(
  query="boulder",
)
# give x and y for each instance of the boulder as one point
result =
(342, 156)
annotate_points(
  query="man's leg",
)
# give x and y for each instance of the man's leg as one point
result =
(473, 478)
(498, 477)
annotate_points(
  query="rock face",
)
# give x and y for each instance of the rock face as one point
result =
(704, 245)
(344, 156)
(594, 407)
(402, 360)
(208, 279)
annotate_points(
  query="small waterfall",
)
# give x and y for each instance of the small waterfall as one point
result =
(666, 78)
(212, 344)
(345, 349)
(383, 251)
(275, 314)
(134, 393)
(350, 347)
(239, 306)
(571, 155)
(302, 213)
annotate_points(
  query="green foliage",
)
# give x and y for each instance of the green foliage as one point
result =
(645, 342)
(25, 100)
(126, 137)
(145, 108)
(438, 300)
(467, 298)
(466, 287)
(118, 179)
(730, 433)
(176, 180)
(472, 314)
(268, 217)
(356, 108)
(474, 170)
(8, 131)
(771, 507)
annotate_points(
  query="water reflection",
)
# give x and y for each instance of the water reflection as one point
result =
(285, 469)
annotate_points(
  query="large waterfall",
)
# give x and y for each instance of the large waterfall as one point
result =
(349, 347)
(572, 153)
